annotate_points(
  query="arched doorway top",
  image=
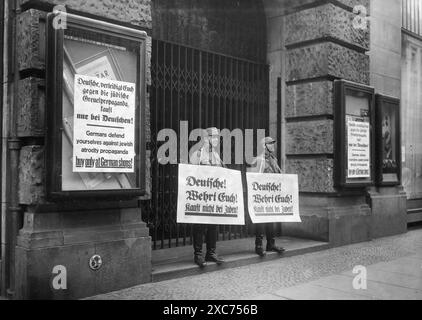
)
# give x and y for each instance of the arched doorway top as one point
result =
(232, 27)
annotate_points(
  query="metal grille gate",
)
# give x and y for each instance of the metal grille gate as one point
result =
(206, 89)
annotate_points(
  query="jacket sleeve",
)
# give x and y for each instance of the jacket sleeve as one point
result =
(259, 165)
(195, 158)
(251, 167)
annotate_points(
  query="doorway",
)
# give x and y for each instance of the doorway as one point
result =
(205, 89)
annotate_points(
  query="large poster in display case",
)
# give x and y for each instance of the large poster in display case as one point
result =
(388, 141)
(354, 122)
(96, 99)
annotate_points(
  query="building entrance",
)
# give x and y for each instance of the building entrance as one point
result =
(205, 89)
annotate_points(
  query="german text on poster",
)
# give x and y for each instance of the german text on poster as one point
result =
(273, 197)
(104, 125)
(210, 195)
(359, 155)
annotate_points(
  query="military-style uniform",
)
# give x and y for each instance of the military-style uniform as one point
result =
(267, 163)
(206, 156)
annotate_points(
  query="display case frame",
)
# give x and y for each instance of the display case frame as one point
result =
(388, 132)
(55, 85)
(347, 97)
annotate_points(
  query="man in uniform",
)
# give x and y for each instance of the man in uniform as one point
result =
(207, 156)
(267, 163)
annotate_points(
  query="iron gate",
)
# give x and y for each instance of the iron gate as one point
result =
(207, 90)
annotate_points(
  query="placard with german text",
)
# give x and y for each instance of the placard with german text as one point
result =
(210, 195)
(359, 148)
(273, 197)
(104, 125)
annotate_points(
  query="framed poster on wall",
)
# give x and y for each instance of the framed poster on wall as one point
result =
(388, 141)
(354, 118)
(95, 109)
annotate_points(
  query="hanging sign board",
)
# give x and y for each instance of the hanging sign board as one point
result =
(210, 195)
(273, 197)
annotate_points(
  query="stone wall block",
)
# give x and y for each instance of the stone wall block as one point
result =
(148, 176)
(31, 175)
(327, 59)
(31, 110)
(325, 21)
(309, 99)
(353, 3)
(310, 137)
(136, 12)
(315, 175)
(30, 40)
(348, 64)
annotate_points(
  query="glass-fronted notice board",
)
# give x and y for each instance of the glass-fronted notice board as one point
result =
(354, 116)
(96, 91)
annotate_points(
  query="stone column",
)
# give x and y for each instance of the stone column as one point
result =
(322, 45)
(68, 234)
(389, 204)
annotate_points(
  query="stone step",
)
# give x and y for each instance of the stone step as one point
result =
(414, 216)
(241, 254)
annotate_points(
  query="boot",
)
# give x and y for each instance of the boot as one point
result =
(271, 247)
(199, 261)
(259, 248)
(197, 246)
(213, 257)
(198, 258)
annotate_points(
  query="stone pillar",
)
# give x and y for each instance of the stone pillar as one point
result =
(389, 204)
(68, 234)
(322, 45)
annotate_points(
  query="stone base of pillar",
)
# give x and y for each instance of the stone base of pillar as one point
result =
(389, 212)
(67, 242)
(339, 221)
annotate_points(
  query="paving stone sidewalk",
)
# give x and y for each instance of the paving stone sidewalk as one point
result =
(395, 280)
(394, 271)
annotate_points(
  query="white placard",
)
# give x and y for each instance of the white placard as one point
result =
(210, 195)
(104, 125)
(273, 197)
(359, 149)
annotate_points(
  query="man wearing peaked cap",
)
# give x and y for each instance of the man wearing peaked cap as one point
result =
(268, 141)
(267, 163)
(213, 132)
(207, 156)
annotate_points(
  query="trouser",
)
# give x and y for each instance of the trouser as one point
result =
(198, 238)
(268, 230)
